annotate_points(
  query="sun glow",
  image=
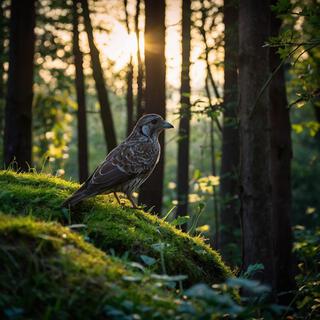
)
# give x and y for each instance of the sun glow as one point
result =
(117, 47)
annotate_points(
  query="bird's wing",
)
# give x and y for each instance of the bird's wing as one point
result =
(109, 175)
(127, 161)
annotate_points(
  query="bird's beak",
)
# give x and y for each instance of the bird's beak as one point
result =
(167, 125)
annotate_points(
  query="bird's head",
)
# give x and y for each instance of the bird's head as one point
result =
(151, 125)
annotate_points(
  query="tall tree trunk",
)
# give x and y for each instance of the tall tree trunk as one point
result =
(81, 99)
(129, 95)
(18, 110)
(2, 60)
(185, 114)
(281, 153)
(105, 108)
(229, 190)
(213, 119)
(140, 106)
(215, 237)
(155, 95)
(316, 108)
(214, 189)
(256, 195)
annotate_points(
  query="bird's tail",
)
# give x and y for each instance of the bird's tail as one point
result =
(75, 198)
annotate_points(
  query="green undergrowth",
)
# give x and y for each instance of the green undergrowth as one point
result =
(117, 230)
(49, 272)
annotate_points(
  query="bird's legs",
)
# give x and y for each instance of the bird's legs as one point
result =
(115, 194)
(134, 205)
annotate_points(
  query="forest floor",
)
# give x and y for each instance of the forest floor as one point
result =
(100, 259)
(106, 261)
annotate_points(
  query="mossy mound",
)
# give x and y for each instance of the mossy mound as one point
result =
(114, 228)
(49, 272)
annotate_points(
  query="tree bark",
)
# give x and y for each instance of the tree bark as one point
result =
(229, 186)
(151, 192)
(81, 99)
(256, 195)
(281, 153)
(105, 108)
(215, 237)
(185, 114)
(316, 108)
(18, 110)
(140, 106)
(129, 95)
(2, 96)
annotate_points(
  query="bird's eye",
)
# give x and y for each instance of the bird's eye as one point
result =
(154, 121)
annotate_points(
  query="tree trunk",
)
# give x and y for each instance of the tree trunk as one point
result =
(18, 111)
(229, 186)
(129, 95)
(81, 99)
(316, 107)
(281, 153)
(140, 106)
(185, 114)
(215, 238)
(214, 190)
(256, 195)
(2, 60)
(105, 108)
(213, 118)
(155, 95)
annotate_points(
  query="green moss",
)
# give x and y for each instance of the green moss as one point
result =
(49, 272)
(110, 226)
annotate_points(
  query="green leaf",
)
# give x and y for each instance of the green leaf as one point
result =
(164, 277)
(250, 285)
(160, 246)
(149, 261)
(180, 221)
(253, 269)
(200, 291)
(132, 278)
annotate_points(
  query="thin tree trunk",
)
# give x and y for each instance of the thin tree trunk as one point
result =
(105, 108)
(256, 195)
(129, 95)
(215, 237)
(229, 190)
(213, 119)
(281, 153)
(2, 55)
(18, 111)
(207, 50)
(316, 108)
(140, 107)
(81, 99)
(185, 114)
(151, 192)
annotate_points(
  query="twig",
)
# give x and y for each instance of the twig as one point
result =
(266, 84)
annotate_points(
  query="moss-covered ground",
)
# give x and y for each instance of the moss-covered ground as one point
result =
(49, 272)
(115, 229)
(100, 260)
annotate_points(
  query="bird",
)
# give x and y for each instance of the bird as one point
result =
(128, 165)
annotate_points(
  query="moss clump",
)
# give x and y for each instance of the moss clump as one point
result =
(110, 226)
(49, 272)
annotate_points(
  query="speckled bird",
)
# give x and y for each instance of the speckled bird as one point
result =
(127, 166)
